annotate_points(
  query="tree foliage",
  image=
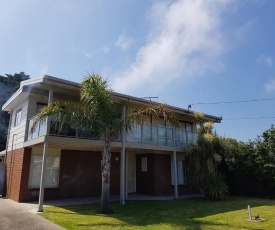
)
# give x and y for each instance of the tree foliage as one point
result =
(8, 85)
(252, 165)
(205, 158)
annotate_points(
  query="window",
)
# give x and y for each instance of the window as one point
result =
(144, 164)
(51, 170)
(181, 172)
(18, 115)
(40, 106)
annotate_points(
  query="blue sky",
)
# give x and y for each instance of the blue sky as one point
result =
(181, 51)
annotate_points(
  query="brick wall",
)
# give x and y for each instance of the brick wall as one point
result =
(80, 176)
(14, 162)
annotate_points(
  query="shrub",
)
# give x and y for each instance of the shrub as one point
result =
(216, 188)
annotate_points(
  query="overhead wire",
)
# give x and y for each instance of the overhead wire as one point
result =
(237, 101)
(247, 118)
(232, 102)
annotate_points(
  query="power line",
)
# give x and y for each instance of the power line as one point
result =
(247, 118)
(232, 102)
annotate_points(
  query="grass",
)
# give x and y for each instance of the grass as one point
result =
(191, 214)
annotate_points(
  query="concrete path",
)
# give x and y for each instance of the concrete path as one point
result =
(17, 216)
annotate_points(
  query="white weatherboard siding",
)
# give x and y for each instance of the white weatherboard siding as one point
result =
(17, 133)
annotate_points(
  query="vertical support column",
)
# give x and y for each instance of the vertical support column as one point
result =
(175, 165)
(122, 162)
(44, 159)
(176, 174)
(126, 175)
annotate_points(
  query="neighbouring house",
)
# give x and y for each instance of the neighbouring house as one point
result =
(2, 156)
(151, 159)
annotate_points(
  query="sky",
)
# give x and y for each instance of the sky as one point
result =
(206, 53)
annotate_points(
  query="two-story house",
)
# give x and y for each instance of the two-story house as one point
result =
(152, 159)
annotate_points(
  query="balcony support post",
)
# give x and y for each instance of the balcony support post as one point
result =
(44, 159)
(122, 162)
(176, 174)
(175, 165)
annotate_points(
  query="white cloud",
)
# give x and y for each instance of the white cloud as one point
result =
(105, 49)
(87, 54)
(124, 42)
(241, 32)
(270, 86)
(102, 50)
(267, 60)
(185, 40)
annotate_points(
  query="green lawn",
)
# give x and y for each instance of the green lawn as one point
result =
(191, 214)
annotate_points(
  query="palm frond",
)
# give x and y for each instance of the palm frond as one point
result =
(141, 115)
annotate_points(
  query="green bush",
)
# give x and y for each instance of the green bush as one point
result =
(216, 188)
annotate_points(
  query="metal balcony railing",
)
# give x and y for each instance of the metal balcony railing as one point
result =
(143, 134)
(158, 135)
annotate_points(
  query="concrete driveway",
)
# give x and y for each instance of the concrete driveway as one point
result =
(18, 216)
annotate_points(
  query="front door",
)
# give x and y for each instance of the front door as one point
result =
(131, 173)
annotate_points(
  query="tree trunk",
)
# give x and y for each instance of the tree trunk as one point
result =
(105, 205)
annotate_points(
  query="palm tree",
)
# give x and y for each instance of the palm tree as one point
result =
(97, 114)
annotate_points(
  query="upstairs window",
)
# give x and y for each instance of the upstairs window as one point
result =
(40, 106)
(18, 115)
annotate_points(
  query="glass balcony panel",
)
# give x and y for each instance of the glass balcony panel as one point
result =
(29, 130)
(135, 134)
(150, 134)
(180, 136)
(192, 137)
(42, 128)
(169, 136)
(165, 136)
(35, 131)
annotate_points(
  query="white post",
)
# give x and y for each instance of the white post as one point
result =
(249, 212)
(122, 163)
(175, 174)
(175, 165)
(44, 159)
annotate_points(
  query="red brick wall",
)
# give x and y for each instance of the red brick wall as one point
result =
(24, 191)
(14, 162)
(79, 176)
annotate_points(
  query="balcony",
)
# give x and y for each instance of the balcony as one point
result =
(158, 135)
(142, 134)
